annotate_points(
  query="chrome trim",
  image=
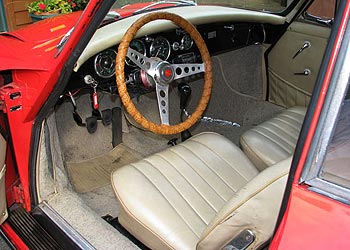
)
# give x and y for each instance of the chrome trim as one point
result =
(183, 41)
(100, 68)
(325, 129)
(242, 241)
(79, 240)
(153, 49)
(127, 60)
(163, 102)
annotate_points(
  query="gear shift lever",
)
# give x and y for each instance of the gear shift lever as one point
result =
(185, 92)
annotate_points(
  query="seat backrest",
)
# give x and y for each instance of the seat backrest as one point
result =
(255, 207)
(275, 139)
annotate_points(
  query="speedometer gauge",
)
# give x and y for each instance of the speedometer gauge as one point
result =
(137, 45)
(160, 48)
(104, 63)
(186, 42)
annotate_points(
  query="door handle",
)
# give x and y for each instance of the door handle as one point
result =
(306, 72)
(306, 45)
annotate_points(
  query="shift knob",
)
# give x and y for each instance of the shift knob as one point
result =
(185, 92)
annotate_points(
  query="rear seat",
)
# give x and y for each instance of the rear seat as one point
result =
(275, 139)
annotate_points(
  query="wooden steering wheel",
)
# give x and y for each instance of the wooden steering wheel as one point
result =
(163, 74)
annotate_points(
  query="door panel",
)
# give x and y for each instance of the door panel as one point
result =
(292, 76)
(3, 207)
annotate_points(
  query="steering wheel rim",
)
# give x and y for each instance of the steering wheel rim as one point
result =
(120, 77)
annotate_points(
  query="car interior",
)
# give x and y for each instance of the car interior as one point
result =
(219, 182)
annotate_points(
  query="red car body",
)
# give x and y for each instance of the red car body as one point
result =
(309, 220)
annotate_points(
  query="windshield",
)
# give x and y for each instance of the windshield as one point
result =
(260, 5)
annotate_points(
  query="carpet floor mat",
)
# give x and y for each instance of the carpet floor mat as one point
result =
(94, 173)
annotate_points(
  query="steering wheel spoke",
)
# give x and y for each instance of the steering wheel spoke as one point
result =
(140, 60)
(163, 103)
(184, 70)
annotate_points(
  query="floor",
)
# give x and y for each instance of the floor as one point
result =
(3, 244)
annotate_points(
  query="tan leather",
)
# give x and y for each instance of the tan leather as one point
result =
(255, 207)
(167, 200)
(3, 207)
(183, 197)
(275, 139)
(285, 88)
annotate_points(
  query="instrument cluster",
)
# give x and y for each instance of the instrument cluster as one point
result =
(175, 46)
(170, 46)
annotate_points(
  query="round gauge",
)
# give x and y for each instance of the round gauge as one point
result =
(160, 48)
(137, 45)
(104, 63)
(186, 42)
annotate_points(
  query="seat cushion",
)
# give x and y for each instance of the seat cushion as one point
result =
(168, 199)
(275, 139)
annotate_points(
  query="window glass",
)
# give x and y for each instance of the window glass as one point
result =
(322, 8)
(336, 166)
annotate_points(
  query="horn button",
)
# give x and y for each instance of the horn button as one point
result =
(164, 73)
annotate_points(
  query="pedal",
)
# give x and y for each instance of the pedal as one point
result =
(106, 117)
(91, 124)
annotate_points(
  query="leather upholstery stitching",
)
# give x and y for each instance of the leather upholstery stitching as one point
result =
(215, 191)
(222, 158)
(136, 219)
(287, 124)
(160, 170)
(171, 204)
(208, 166)
(273, 128)
(272, 140)
(250, 151)
(297, 119)
(189, 183)
(294, 112)
(228, 214)
(278, 131)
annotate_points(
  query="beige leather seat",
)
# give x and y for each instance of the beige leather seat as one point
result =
(199, 194)
(275, 139)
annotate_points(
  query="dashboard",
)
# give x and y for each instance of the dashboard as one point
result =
(174, 46)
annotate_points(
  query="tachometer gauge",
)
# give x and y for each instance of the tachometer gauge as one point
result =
(104, 63)
(186, 42)
(160, 48)
(137, 45)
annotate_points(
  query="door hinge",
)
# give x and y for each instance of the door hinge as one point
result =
(18, 194)
(10, 98)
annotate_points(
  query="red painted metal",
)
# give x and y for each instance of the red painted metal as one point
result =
(31, 54)
(313, 221)
(128, 10)
(35, 74)
(34, 78)
(38, 41)
(13, 237)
